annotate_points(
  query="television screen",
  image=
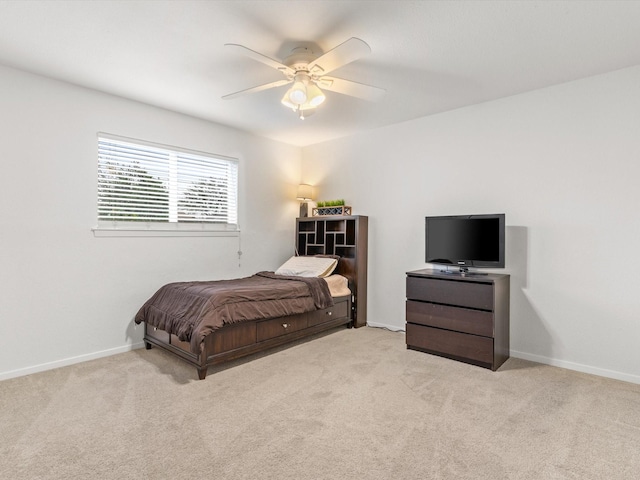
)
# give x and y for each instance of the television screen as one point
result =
(465, 240)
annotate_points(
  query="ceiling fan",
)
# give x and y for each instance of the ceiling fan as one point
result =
(307, 72)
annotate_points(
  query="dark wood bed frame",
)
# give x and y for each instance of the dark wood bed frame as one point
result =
(346, 236)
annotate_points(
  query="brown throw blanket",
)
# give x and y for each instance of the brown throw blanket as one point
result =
(192, 310)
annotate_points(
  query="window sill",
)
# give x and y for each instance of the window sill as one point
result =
(155, 231)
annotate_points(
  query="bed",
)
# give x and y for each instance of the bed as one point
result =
(209, 323)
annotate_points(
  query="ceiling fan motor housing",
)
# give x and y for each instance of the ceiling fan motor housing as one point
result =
(299, 59)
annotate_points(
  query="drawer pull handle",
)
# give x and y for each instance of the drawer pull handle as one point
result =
(155, 329)
(285, 325)
(329, 313)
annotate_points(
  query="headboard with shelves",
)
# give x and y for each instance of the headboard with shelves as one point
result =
(347, 237)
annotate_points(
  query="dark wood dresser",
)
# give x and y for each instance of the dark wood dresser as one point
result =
(463, 317)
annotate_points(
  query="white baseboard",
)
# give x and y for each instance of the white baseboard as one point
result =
(601, 372)
(393, 328)
(68, 361)
(578, 367)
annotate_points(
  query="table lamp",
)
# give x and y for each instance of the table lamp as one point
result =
(305, 193)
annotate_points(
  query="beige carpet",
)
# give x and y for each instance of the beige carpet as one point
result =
(354, 404)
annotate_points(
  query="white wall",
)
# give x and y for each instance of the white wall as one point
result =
(66, 295)
(563, 163)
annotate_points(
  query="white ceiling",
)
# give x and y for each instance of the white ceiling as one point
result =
(430, 56)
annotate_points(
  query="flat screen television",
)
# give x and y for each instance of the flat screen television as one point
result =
(465, 241)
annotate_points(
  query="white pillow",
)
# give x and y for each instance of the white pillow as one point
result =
(303, 266)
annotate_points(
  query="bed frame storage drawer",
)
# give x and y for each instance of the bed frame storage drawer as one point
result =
(464, 320)
(176, 342)
(337, 310)
(232, 337)
(451, 292)
(156, 333)
(452, 344)
(237, 340)
(280, 326)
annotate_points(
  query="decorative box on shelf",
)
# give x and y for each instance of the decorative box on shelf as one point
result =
(338, 210)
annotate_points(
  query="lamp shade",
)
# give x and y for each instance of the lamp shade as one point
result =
(305, 192)
(316, 97)
(298, 93)
(287, 103)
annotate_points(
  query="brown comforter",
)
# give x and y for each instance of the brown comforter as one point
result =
(192, 310)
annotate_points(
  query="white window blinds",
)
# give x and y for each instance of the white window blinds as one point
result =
(144, 182)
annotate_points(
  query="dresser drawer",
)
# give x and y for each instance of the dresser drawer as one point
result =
(338, 310)
(455, 344)
(464, 320)
(156, 333)
(280, 326)
(451, 292)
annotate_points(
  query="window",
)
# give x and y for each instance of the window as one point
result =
(145, 186)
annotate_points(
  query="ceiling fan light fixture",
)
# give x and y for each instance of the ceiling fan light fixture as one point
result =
(298, 92)
(316, 96)
(288, 103)
(304, 111)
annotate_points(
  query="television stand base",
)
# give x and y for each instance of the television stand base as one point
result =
(464, 272)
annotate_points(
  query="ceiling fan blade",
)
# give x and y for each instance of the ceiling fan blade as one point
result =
(346, 52)
(259, 88)
(260, 58)
(353, 89)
